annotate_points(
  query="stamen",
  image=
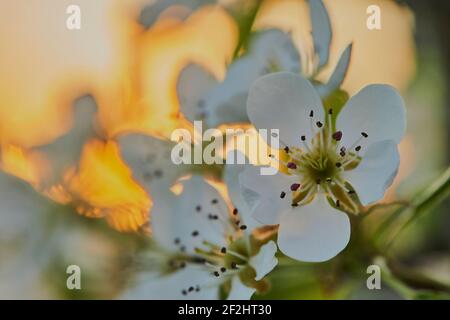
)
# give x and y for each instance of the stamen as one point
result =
(235, 211)
(305, 144)
(337, 135)
(195, 233)
(198, 208)
(365, 135)
(224, 218)
(319, 124)
(351, 158)
(330, 121)
(358, 148)
(292, 165)
(338, 164)
(311, 113)
(286, 149)
(295, 186)
(243, 227)
(237, 255)
(282, 195)
(223, 269)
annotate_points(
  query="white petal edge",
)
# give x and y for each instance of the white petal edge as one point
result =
(152, 286)
(283, 101)
(239, 291)
(376, 171)
(265, 260)
(377, 110)
(231, 179)
(321, 30)
(262, 194)
(314, 233)
(193, 85)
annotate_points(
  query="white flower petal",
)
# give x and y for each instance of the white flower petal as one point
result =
(239, 291)
(231, 179)
(153, 286)
(276, 51)
(228, 99)
(180, 217)
(150, 160)
(377, 110)
(339, 74)
(21, 208)
(321, 30)
(376, 171)
(262, 194)
(314, 233)
(193, 85)
(265, 260)
(283, 101)
(272, 50)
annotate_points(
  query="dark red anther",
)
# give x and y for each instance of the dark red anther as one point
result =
(337, 135)
(291, 165)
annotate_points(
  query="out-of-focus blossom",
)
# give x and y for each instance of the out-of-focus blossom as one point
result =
(36, 239)
(328, 168)
(206, 37)
(45, 66)
(374, 58)
(204, 98)
(202, 250)
(79, 167)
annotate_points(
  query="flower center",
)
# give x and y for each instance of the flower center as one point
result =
(319, 163)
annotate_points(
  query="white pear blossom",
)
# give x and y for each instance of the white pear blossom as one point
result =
(329, 165)
(202, 97)
(202, 250)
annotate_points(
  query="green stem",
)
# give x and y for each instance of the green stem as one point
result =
(438, 191)
(390, 277)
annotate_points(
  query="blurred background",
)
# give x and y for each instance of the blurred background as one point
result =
(67, 195)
